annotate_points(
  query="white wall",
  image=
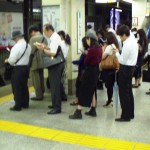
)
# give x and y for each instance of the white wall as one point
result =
(50, 2)
(139, 10)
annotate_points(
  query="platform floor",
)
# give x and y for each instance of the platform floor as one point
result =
(33, 129)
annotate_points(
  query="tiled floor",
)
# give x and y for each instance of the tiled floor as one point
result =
(57, 132)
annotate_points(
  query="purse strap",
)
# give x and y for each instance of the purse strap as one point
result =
(23, 53)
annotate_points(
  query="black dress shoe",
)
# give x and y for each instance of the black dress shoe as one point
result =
(36, 99)
(91, 113)
(54, 111)
(50, 107)
(25, 107)
(64, 100)
(15, 109)
(122, 120)
(148, 93)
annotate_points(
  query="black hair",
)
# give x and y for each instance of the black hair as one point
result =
(49, 27)
(123, 29)
(107, 26)
(111, 39)
(89, 27)
(94, 43)
(33, 28)
(84, 43)
(134, 29)
(128, 23)
(142, 37)
(66, 37)
(101, 31)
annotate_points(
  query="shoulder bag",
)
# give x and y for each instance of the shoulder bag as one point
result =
(49, 61)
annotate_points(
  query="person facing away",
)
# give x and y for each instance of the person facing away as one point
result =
(127, 60)
(65, 43)
(19, 59)
(37, 74)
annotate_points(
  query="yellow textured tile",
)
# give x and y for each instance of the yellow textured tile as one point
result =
(71, 137)
(140, 146)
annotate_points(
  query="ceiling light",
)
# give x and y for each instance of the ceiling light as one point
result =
(105, 1)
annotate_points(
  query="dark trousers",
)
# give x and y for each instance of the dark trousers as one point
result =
(55, 74)
(19, 81)
(125, 91)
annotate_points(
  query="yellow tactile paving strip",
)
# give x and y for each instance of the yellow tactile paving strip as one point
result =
(70, 137)
(10, 96)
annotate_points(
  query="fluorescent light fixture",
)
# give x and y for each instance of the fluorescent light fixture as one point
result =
(129, 1)
(105, 1)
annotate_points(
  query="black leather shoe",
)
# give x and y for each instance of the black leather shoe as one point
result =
(50, 107)
(25, 107)
(148, 93)
(15, 109)
(77, 115)
(36, 99)
(54, 111)
(122, 120)
(91, 113)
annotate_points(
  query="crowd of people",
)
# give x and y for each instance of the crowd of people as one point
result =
(129, 51)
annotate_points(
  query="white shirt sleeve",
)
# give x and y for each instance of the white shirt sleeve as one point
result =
(108, 50)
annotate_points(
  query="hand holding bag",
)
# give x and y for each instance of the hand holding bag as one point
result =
(49, 61)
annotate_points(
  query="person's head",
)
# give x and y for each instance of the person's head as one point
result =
(89, 27)
(33, 29)
(134, 30)
(65, 37)
(111, 39)
(84, 43)
(91, 39)
(101, 34)
(48, 30)
(107, 27)
(17, 35)
(123, 32)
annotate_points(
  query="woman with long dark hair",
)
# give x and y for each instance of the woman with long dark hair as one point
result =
(81, 69)
(142, 45)
(65, 43)
(87, 89)
(109, 74)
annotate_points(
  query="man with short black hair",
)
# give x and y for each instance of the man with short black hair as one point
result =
(37, 74)
(127, 60)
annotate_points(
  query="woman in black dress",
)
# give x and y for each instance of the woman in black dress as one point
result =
(87, 88)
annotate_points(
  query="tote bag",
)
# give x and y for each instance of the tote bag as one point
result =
(110, 62)
(49, 61)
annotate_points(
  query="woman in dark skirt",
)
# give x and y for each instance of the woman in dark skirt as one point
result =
(87, 89)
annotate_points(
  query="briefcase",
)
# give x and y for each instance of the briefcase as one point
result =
(146, 75)
(49, 61)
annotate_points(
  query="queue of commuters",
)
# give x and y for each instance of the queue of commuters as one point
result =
(97, 47)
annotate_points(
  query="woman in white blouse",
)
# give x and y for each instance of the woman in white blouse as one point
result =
(109, 74)
(65, 43)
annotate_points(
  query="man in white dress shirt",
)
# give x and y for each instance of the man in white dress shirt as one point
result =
(127, 60)
(19, 58)
(54, 72)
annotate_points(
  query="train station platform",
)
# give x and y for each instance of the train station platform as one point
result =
(34, 129)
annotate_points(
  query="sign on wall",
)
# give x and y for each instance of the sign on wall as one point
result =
(51, 15)
(79, 30)
(9, 22)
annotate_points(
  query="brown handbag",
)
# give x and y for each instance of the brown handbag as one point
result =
(110, 62)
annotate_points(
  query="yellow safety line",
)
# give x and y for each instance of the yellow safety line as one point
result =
(10, 96)
(71, 137)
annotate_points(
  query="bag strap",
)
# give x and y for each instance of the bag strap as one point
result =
(37, 48)
(23, 53)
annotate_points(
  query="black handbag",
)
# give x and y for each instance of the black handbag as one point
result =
(146, 75)
(49, 61)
